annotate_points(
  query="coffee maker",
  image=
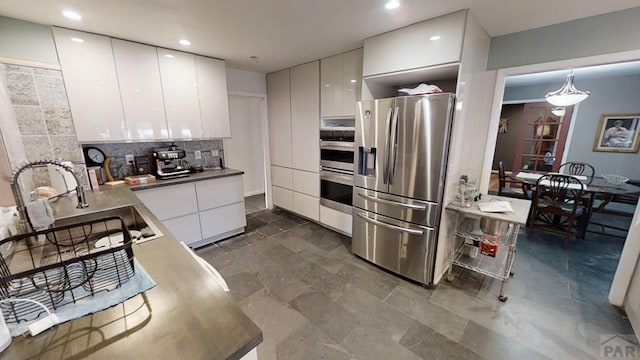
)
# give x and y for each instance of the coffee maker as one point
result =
(169, 162)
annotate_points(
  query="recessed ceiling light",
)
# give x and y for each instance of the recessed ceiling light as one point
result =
(169, 56)
(185, 42)
(435, 38)
(70, 14)
(392, 4)
(354, 81)
(78, 40)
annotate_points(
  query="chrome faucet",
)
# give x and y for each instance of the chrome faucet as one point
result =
(17, 194)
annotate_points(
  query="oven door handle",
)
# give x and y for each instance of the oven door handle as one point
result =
(391, 202)
(337, 178)
(389, 226)
(337, 147)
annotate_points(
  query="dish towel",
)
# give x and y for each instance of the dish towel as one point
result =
(40, 214)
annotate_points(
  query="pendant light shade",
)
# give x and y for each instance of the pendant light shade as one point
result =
(567, 95)
(558, 111)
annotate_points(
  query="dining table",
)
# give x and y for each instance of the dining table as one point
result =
(593, 185)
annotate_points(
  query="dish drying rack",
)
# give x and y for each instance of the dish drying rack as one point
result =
(62, 265)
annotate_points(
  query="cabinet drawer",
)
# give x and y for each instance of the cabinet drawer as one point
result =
(307, 206)
(219, 192)
(185, 228)
(306, 182)
(282, 198)
(170, 201)
(336, 219)
(282, 177)
(222, 219)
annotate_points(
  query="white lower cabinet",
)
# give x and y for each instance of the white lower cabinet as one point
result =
(283, 198)
(199, 212)
(307, 206)
(336, 220)
(215, 223)
(185, 228)
(306, 182)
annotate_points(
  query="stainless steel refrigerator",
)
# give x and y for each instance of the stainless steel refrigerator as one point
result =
(401, 153)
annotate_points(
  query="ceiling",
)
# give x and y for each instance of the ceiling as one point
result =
(584, 73)
(283, 33)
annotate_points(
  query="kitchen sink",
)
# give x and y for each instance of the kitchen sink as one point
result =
(132, 218)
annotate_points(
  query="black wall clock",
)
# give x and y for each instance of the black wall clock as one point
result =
(94, 156)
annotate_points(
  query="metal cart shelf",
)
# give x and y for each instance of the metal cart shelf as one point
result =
(500, 266)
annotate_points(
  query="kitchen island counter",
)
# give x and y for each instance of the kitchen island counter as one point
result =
(187, 315)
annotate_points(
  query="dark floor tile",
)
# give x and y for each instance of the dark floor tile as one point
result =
(281, 284)
(268, 230)
(270, 217)
(374, 314)
(284, 257)
(210, 252)
(327, 315)
(379, 285)
(284, 224)
(436, 317)
(429, 344)
(367, 343)
(310, 343)
(322, 280)
(231, 244)
(325, 260)
(243, 284)
(253, 223)
(491, 345)
(252, 237)
(324, 239)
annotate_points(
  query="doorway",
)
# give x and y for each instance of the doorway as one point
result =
(245, 149)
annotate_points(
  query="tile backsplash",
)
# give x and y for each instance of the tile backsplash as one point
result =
(119, 167)
(39, 102)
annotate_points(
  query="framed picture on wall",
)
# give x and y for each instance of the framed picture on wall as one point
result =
(618, 133)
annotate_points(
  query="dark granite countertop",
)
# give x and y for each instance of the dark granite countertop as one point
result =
(205, 175)
(187, 315)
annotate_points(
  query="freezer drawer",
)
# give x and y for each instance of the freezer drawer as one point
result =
(401, 208)
(403, 248)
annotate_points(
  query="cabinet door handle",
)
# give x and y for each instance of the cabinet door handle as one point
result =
(389, 226)
(391, 202)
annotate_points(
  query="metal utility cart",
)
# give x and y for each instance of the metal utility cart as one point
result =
(498, 267)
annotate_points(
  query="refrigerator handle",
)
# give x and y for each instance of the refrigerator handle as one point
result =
(385, 156)
(393, 149)
(389, 226)
(391, 202)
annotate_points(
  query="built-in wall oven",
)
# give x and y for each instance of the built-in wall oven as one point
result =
(336, 162)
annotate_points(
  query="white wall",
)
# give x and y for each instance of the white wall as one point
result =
(26, 41)
(241, 81)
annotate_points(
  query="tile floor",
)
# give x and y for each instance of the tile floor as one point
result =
(254, 203)
(314, 300)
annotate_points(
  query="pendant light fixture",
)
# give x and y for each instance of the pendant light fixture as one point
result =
(567, 95)
(558, 111)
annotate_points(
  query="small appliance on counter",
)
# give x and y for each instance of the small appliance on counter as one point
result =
(169, 162)
(142, 165)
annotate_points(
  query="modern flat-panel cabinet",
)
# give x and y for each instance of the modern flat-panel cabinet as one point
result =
(340, 84)
(92, 86)
(279, 111)
(141, 90)
(305, 116)
(212, 92)
(294, 128)
(180, 91)
(428, 43)
(200, 212)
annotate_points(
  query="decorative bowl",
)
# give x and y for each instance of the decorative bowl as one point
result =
(615, 179)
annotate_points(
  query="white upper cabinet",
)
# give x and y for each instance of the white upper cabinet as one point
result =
(351, 81)
(428, 43)
(92, 86)
(141, 90)
(340, 84)
(214, 102)
(305, 116)
(279, 104)
(180, 92)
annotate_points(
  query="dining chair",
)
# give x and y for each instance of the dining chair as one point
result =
(557, 205)
(505, 181)
(578, 168)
